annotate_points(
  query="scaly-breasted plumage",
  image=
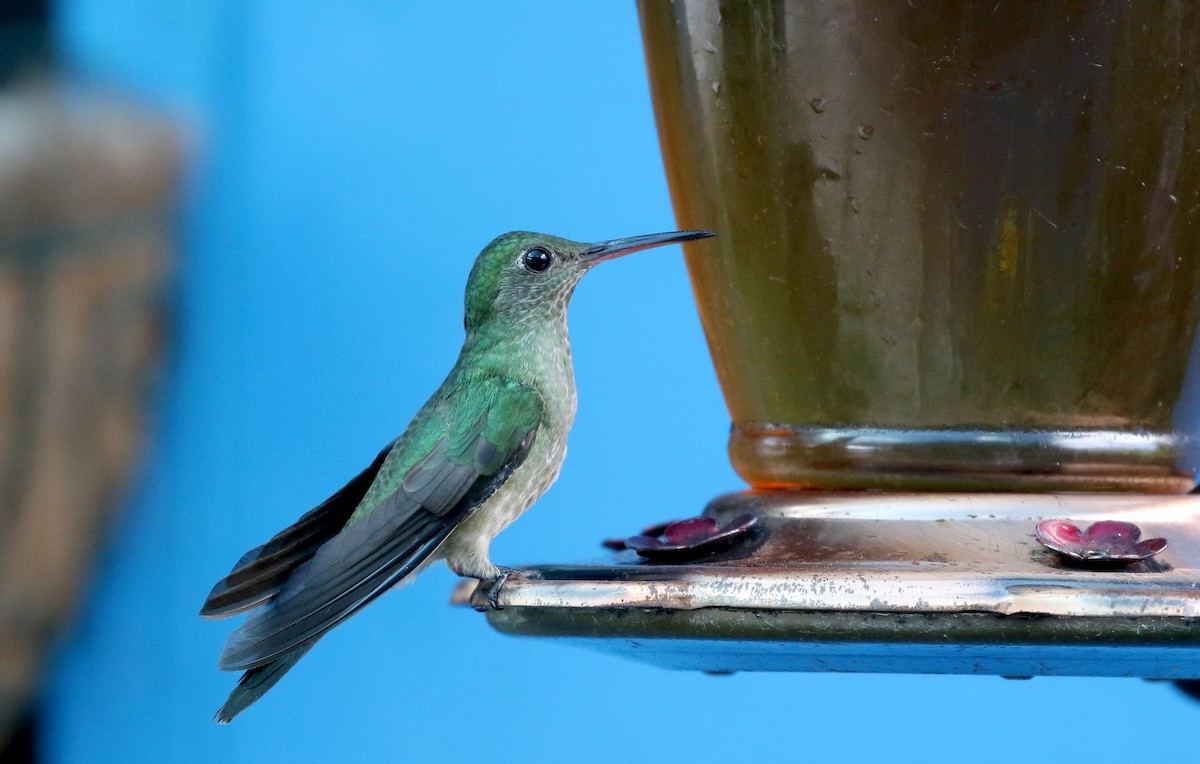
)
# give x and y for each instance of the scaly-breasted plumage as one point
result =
(480, 451)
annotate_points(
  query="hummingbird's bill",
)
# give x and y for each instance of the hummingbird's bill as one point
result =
(607, 250)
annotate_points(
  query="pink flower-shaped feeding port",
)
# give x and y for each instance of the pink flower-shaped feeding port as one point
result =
(1108, 541)
(685, 539)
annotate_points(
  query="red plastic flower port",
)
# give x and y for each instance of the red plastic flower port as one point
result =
(1108, 541)
(685, 539)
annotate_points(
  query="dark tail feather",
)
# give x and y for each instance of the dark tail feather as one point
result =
(255, 682)
(262, 571)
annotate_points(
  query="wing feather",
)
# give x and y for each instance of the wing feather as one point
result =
(260, 573)
(416, 498)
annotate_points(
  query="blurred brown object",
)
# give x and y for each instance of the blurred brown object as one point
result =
(86, 195)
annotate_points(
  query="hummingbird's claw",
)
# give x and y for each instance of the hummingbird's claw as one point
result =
(494, 590)
(490, 598)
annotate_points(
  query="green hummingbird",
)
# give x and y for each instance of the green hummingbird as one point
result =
(480, 451)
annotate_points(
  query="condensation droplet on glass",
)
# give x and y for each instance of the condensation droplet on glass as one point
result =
(817, 104)
(865, 131)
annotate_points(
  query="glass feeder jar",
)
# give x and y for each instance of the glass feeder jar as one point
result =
(958, 242)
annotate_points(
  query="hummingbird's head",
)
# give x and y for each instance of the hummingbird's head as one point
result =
(523, 276)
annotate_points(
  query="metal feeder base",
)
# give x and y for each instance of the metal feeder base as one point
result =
(931, 583)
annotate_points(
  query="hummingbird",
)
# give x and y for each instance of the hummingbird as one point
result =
(480, 452)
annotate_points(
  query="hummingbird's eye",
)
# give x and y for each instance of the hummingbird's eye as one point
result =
(537, 260)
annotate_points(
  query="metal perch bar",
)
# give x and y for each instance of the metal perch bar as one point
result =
(942, 583)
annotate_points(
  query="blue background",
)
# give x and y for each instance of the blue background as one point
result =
(349, 164)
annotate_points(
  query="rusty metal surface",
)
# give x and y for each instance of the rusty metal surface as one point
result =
(919, 571)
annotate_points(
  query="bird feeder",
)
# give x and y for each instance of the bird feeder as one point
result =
(952, 307)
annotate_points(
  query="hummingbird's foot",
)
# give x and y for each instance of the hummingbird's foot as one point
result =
(494, 590)
(490, 598)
